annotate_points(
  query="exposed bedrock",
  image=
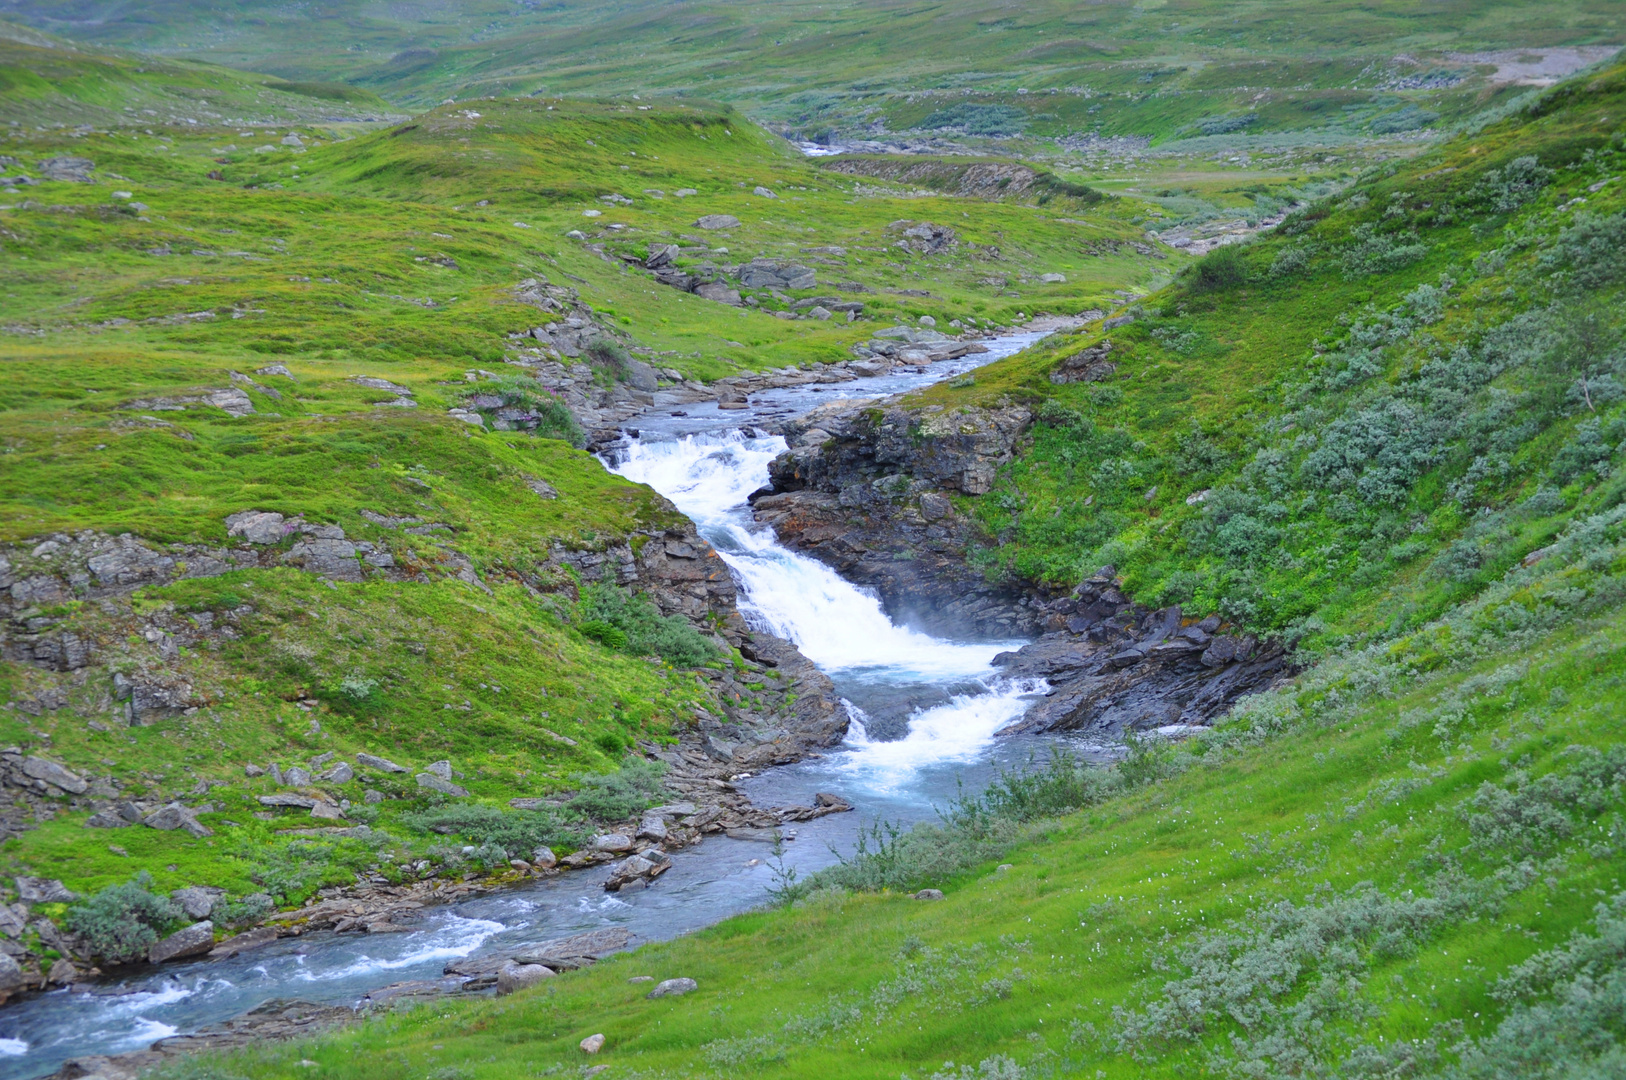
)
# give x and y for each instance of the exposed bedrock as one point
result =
(867, 488)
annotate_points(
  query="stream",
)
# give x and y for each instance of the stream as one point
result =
(941, 696)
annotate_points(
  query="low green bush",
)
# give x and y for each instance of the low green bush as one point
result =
(630, 623)
(620, 795)
(122, 922)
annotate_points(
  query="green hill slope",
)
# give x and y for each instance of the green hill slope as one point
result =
(1407, 861)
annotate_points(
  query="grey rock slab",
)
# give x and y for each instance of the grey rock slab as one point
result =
(613, 842)
(718, 221)
(297, 777)
(175, 816)
(342, 773)
(242, 943)
(301, 802)
(929, 894)
(198, 901)
(258, 526)
(42, 769)
(512, 977)
(34, 890)
(442, 769)
(673, 988)
(372, 761)
(719, 291)
(12, 978)
(445, 787)
(195, 940)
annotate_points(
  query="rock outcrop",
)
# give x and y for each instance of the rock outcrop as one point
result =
(866, 487)
(1113, 666)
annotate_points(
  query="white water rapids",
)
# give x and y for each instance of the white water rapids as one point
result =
(707, 467)
(837, 625)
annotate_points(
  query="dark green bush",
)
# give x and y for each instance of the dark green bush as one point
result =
(1223, 268)
(123, 921)
(621, 795)
(979, 119)
(516, 832)
(551, 417)
(630, 623)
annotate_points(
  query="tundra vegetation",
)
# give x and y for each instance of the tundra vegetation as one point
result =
(1389, 432)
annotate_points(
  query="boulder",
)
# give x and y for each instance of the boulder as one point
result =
(613, 842)
(640, 376)
(198, 901)
(12, 978)
(819, 312)
(445, 787)
(512, 976)
(718, 221)
(175, 816)
(929, 894)
(195, 940)
(242, 943)
(341, 773)
(719, 291)
(652, 827)
(592, 1044)
(41, 769)
(673, 988)
(34, 890)
(62, 972)
(296, 777)
(660, 255)
(442, 769)
(288, 799)
(381, 764)
(257, 526)
(543, 857)
(74, 170)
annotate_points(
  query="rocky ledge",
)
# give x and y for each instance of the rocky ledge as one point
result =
(1115, 667)
(867, 487)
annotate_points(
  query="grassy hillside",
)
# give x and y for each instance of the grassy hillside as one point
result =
(1190, 67)
(1404, 863)
(203, 319)
(47, 80)
(1342, 429)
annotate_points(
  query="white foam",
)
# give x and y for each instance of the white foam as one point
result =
(13, 1048)
(145, 1033)
(457, 937)
(956, 732)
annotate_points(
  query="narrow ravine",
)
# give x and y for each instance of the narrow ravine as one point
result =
(943, 698)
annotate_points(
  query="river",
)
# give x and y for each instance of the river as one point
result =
(706, 461)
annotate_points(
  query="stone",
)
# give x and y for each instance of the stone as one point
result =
(935, 507)
(652, 828)
(252, 771)
(198, 901)
(512, 976)
(62, 972)
(12, 978)
(445, 787)
(613, 842)
(819, 312)
(929, 894)
(297, 777)
(660, 255)
(74, 170)
(195, 940)
(34, 890)
(685, 192)
(175, 816)
(326, 558)
(372, 761)
(372, 796)
(719, 749)
(640, 376)
(327, 811)
(287, 799)
(442, 769)
(292, 139)
(1087, 365)
(666, 810)
(764, 192)
(719, 291)
(928, 322)
(1053, 279)
(673, 988)
(592, 1044)
(257, 526)
(543, 857)
(242, 943)
(341, 773)
(1114, 323)
(41, 769)
(718, 221)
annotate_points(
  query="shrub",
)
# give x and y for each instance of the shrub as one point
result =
(544, 415)
(630, 623)
(1222, 268)
(1593, 249)
(979, 119)
(516, 832)
(1408, 119)
(1373, 252)
(1224, 125)
(1510, 187)
(621, 795)
(122, 922)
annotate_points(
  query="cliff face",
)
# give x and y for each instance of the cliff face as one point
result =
(865, 488)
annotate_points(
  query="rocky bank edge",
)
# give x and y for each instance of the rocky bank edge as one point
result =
(123, 666)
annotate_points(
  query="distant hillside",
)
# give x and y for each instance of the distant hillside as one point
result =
(1188, 69)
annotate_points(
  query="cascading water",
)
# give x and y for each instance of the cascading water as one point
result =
(838, 626)
(707, 468)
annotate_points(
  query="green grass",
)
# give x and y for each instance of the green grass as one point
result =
(1370, 790)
